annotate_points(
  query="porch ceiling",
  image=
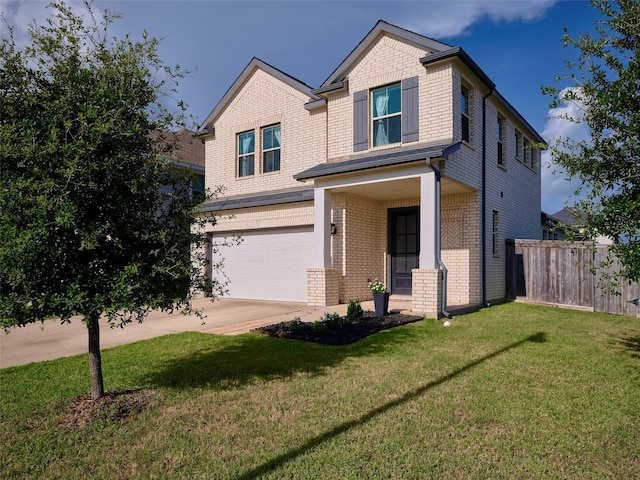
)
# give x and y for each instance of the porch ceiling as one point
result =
(400, 189)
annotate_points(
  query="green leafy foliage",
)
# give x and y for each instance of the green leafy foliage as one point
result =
(604, 84)
(354, 311)
(332, 321)
(93, 220)
(319, 326)
(377, 286)
(296, 324)
(329, 321)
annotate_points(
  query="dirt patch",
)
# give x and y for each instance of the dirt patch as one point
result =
(331, 335)
(114, 406)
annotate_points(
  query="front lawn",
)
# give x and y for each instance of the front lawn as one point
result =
(513, 391)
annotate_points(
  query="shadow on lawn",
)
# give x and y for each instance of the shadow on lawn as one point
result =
(231, 362)
(340, 429)
(632, 344)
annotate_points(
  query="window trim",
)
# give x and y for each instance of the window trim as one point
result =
(245, 155)
(465, 113)
(273, 149)
(386, 116)
(494, 233)
(500, 141)
(527, 153)
(518, 149)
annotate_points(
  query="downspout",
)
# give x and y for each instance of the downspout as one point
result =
(445, 154)
(484, 197)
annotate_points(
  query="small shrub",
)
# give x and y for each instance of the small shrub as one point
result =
(319, 326)
(332, 321)
(296, 324)
(354, 311)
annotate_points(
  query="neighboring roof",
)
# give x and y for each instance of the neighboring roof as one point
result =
(570, 216)
(380, 28)
(276, 198)
(548, 220)
(184, 149)
(253, 65)
(376, 160)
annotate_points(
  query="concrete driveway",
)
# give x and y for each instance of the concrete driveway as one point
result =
(51, 340)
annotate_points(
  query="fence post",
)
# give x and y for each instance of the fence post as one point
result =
(510, 249)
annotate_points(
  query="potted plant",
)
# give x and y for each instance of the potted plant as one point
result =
(380, 297)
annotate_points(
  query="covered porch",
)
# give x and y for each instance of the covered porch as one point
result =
(385, 223)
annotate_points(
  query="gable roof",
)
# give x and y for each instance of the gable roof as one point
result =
(439, 52)
(254, 64)
(380, 28)
(460, 54)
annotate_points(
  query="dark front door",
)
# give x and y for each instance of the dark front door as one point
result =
(404, 245)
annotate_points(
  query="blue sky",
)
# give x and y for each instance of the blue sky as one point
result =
(517, 43)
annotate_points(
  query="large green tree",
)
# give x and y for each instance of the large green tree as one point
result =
(604, 82)
(92, 221)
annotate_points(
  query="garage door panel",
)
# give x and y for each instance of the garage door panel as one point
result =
(269, 265)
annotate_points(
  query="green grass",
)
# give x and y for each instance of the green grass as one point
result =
(514, 391)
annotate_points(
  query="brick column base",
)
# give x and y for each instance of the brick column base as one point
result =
(426, 292)
(322, 287)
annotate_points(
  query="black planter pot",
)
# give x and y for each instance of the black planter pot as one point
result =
(381, 303)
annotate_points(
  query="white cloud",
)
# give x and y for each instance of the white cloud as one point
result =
(450, 19)
(557, 187)
(20, 14)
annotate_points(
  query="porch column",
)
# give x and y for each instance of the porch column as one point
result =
(321, 228)
(322, 280)
(427, 279)
(429, 241)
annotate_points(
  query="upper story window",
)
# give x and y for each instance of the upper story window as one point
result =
(387, 115)
(517, 141)
(271, 149)
(246, 152)
(500, 140)
(464, 110)
(527, 158)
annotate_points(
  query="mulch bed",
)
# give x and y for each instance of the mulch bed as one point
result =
(114, 406)
(349, 333)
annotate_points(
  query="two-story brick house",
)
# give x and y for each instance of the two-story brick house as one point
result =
(405, 165)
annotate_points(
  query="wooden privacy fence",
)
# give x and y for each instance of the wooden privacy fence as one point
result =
(561, 273)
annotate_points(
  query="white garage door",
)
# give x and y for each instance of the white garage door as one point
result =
(269, 265)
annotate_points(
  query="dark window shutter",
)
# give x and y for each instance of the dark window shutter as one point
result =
(410, 103)
(360, 121)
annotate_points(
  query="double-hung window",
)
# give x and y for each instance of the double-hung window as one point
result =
(517, 139)
(527, 153)
(499, 140)
(464, 110)
(271, 149)
(494, 234)
(246, 152)
(387, 115)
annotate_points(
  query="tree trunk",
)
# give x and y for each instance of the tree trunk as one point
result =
(95, 360)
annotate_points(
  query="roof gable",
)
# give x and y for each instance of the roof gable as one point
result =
(249, 70)
(381, 28)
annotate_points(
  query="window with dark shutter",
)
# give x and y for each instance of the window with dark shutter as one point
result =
(360, 121)
(410, 118)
